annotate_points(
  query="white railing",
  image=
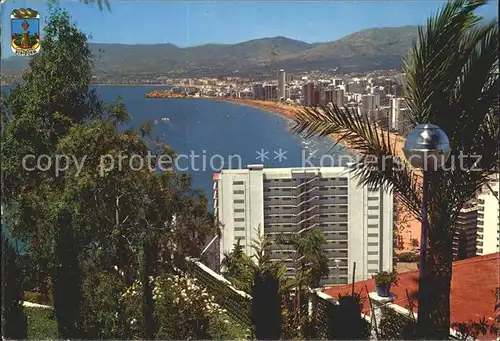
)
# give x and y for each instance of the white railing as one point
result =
(307, 182)
(305, 211)
(306, 219)
(307, 192)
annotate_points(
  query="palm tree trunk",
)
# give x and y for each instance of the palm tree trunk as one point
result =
(438, 280)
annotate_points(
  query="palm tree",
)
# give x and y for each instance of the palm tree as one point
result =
(452, 82)
(100, 3)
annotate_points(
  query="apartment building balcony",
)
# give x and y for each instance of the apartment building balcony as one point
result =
(280, 229)
(335, 246)
(330, 228)
(323, 209)
(330, 182)
(334, 254)
(276, 247)
(330, 200)
(338, 218)
(341, 236)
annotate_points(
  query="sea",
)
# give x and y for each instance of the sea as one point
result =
(213, 135)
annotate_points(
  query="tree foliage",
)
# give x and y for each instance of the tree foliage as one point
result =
(14, 323)
(106, 207)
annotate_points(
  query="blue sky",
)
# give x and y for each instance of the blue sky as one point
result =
(197, 22)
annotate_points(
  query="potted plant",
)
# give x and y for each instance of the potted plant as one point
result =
(383, 282)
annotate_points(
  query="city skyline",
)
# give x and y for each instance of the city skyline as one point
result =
(192, 23)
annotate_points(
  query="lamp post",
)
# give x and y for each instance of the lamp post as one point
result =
(337, 262)
(426, 148)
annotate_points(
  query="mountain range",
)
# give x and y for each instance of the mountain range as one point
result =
(362, 51)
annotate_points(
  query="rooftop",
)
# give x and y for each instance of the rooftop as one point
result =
(472, 297)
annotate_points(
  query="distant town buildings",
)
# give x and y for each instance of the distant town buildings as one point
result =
(464, 240)
(356, 221)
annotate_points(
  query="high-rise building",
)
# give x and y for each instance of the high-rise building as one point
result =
(329, 96)
(339, 97)
(317, 96)
(281, 84)
(257, 91)
(356, 221)
(308, 92)
(395, 117)
(488, 219)
(388, 86)
(370, 102)
(464, 239)
(270, 92)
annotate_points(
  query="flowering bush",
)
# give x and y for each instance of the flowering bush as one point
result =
(183, 310)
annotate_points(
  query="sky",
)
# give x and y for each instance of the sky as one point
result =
(188, 23)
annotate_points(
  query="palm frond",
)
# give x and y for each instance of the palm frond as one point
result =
(100, 3)
(379, 165)
(432, 66)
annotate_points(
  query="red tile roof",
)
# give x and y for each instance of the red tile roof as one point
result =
(472, 288)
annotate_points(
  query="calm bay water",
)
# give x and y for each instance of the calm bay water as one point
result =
(219, 132)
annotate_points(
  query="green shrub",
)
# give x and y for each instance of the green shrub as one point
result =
(36, 297)
(385, 277)
(41, 324)
(408, 257)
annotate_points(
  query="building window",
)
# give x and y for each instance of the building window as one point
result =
(372, 226)
(372, 244)
(372, 235)
(238, 219)
(373, 262)
(239, 228)
(372, 198)
(238, 201)
(373, 207)
(235, 183)
(372, 253)
(372, 270)
(371, 216)
(239, 192)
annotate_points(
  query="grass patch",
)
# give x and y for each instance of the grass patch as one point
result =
(41, 324)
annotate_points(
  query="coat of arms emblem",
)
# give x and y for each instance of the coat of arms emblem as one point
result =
(25, 30)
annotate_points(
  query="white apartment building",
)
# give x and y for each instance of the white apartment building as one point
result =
(282, 84)
(395, 118)
(488, 220)
(357, 222)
